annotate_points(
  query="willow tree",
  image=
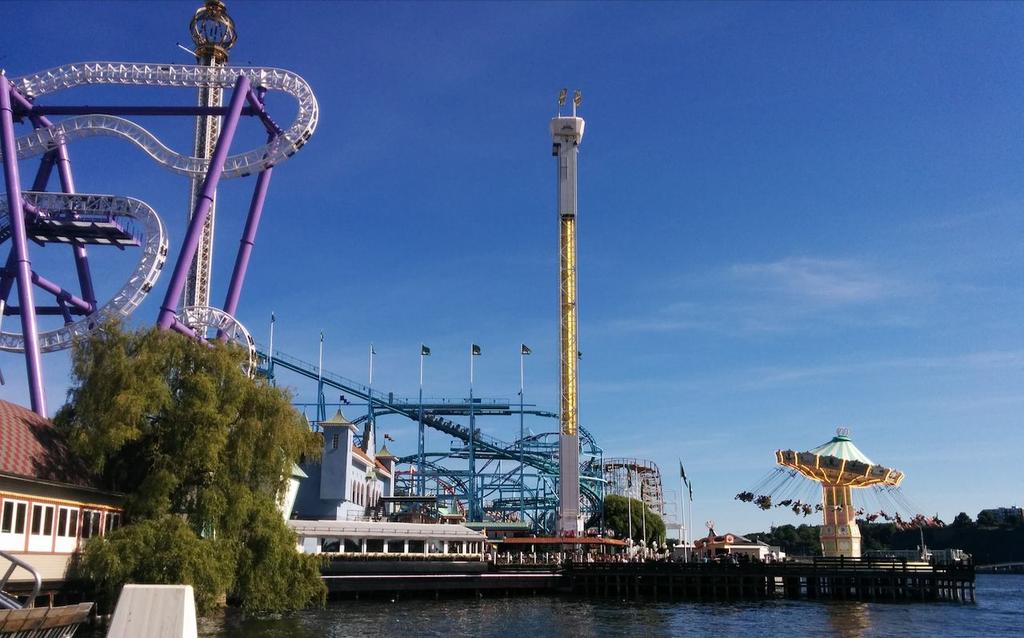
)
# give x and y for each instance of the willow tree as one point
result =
(203, 454)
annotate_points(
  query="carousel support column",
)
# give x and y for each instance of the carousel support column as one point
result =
(204, 201)
(22, 265)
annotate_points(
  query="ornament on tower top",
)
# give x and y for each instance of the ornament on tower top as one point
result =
(213, 31)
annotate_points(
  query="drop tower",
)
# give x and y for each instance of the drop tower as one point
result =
(213, 32)
(566, 135)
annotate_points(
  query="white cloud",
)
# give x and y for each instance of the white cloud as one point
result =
(754, 298)
(825, 281)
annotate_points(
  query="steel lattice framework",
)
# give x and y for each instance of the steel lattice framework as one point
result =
(82, 220)
(503, 493)
(636, 478)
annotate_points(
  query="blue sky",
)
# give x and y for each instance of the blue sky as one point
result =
(792, 217)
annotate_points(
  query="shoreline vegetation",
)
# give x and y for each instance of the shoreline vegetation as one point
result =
(987, 542)
(202, 453)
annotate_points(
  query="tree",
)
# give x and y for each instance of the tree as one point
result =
(987, 519)
(178, 427)
(616, 518)
(962, 520)
(796, 541)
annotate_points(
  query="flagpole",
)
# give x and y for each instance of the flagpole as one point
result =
(522, 443)
(321, 409)
(643, 515)
(683, 530)
(629, 501)
(689, 532)
(472, 442)
(270, 353)
(420, 482)
(369, 402)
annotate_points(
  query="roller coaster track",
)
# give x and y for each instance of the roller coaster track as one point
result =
(283, 146)
(74, 214)
(78, 211)
(409, 409)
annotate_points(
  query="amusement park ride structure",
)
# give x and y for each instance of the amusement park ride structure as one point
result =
(566, 135)
(506, 491)
(105, 221)
(213, 32)
(537, 480)
(840, 468)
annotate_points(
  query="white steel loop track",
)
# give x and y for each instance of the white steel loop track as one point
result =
(205, 318)
(153, 242)
(167, 75)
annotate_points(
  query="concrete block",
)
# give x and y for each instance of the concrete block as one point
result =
(155, 611)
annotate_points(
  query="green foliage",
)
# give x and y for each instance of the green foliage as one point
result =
(987, 519)
(616, 518)
(271, 575)
(795, 541)
(962, 520)
(161, 551)
(179, 428)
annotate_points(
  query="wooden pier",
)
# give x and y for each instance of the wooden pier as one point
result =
(820, 579)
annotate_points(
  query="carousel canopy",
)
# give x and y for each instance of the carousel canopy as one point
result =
(843, 448)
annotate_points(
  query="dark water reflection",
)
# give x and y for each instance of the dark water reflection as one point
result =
(999, 612)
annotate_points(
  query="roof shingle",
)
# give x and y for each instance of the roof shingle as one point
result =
(31, 447)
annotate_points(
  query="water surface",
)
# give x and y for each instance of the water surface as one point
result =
(998, 612)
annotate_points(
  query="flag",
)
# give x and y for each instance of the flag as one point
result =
(321, 336)
(272, 318)
(682, 472)
(525, 349)
(475, 350)
(424, 351)
(579, 355)
(689, 486)
(372, 351)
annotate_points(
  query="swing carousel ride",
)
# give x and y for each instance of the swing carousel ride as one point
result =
(839, 467)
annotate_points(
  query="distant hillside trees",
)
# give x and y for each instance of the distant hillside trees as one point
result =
(796, 541)
(203, 453)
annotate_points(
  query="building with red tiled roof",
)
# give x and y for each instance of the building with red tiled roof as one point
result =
(49, 502)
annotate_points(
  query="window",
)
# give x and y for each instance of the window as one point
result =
(14, 517)
(42, 520)
(19, 519)
(112, 523)
(67, 522)
(90, 523)
(334, 442)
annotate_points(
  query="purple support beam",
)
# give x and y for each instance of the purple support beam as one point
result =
(22, 265)
(248, 240)
(255, 98)
(35, 110)
(67, 185)
(83, 305)
(166, 319)
(45, 168)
